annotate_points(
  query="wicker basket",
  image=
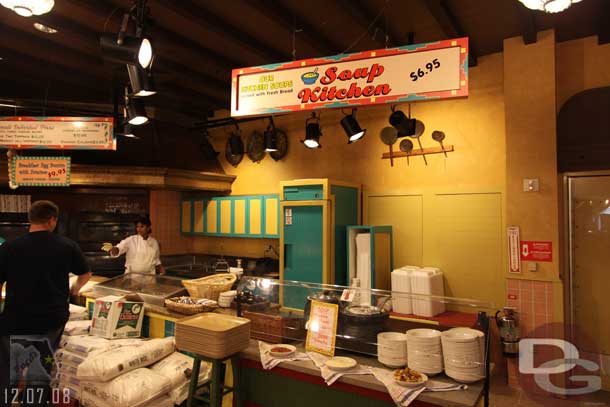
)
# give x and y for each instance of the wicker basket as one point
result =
(172, 304)
(211, 286)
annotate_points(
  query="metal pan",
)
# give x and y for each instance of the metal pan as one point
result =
(388, 137)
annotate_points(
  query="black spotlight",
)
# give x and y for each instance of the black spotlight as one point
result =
(128, 131)
(352, 128)
(312, 132)
(271, 137)
(127, 50)
(403, 124)
(136, 113)
(142, 83)
(236, 143)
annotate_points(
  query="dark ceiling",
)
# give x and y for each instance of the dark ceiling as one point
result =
(198, 42)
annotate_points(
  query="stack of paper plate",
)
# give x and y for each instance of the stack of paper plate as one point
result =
(424, 350)
(463, 350)
(392, 349)
(213, 335)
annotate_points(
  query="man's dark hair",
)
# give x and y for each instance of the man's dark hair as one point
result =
(42, 212)
(144, 220)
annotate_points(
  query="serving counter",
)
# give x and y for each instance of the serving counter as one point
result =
(299, 384)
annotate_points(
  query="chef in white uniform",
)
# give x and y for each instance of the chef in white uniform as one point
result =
(141, 250)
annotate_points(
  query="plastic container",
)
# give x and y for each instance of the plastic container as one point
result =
(401, 283)
(427, 281)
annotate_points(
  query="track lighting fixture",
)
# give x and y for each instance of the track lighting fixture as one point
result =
(312, 132)
(271, 137)
(128, 131)
(136, 113)
(126, 49)
(403, 124)
(351, 127)
(142, 83)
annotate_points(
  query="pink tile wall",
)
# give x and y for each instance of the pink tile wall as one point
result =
(533, 300)
(165, 217)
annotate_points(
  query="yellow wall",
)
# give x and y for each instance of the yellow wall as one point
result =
(475, 126)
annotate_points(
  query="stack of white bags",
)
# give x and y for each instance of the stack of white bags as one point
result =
(122, 372)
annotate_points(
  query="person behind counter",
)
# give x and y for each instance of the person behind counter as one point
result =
(141, 250)
(36, 270)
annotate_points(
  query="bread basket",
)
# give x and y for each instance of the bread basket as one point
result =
(211, 286)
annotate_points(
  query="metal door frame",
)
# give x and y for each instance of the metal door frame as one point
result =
(567, 274)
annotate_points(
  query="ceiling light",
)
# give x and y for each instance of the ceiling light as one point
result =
(142, 83)
(136, 113)
(127, 50)
(312, 132)
(403, 124)
(352, 128)
(550, 6)
(28, 8)
(128, 131)
(45, 29)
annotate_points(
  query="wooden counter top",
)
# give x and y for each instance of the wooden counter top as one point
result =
(458, 398)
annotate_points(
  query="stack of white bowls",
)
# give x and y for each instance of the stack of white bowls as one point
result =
(425, 351)
(464, 354)
(392, 349)
(226, 298)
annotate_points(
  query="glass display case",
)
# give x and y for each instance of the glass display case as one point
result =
(453, 343)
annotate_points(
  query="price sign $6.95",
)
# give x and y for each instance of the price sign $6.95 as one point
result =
(420, 73)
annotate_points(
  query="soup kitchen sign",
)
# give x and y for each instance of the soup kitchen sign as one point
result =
(430, 71)
(60, 133)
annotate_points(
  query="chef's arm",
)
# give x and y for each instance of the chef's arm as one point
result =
(114, 251)
(159, 269)
(79, 283)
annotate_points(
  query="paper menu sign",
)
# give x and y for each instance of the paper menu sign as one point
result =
(322, 328)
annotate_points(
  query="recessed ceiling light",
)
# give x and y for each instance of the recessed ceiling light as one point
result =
(44, 28)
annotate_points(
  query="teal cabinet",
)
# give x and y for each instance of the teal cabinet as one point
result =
(255, 216)
(315, 214)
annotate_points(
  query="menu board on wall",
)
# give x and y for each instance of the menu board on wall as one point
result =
(322, 328)
(41, 171)
(75, 133)
(435, 70)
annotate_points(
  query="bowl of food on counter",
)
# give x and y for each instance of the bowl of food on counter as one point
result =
(282, 351)
(409, 377)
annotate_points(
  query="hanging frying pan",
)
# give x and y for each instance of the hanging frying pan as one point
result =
(406, 146)
(255, 147)
(234, 149)
(439, 136)
(388, 137)
(419, 130)
(282, 145)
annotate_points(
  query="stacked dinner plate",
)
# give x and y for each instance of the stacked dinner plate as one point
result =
(392, 349)
(463, 350)
(424, 350)
(213, 335)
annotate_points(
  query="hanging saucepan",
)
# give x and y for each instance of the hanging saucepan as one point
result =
(406, 146)
(388, 136)
(439, 136)
(255, 147)
(419, 130)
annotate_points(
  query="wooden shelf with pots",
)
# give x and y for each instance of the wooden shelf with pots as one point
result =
(416, 152)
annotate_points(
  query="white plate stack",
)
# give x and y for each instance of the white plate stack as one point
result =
(425, 351)
(464, 354)
(392, 349)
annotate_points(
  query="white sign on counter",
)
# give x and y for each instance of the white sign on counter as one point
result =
(59, 133)
(322, 328)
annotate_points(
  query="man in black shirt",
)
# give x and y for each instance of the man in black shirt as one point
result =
(35, 268)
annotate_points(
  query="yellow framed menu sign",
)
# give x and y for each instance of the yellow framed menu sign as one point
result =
(322, 328)
(40, 171)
